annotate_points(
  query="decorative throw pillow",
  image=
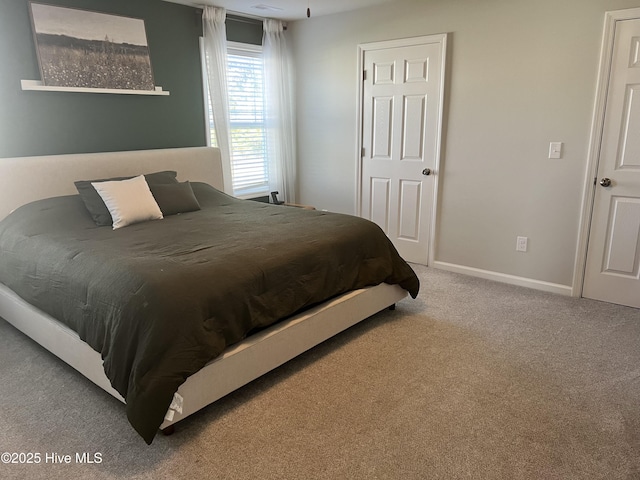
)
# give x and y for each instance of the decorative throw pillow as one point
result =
(175, 198)
(96, 206)
(129, 201)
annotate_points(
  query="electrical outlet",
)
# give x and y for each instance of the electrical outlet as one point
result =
(521, 244)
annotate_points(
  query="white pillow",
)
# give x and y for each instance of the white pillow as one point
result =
(129, 201)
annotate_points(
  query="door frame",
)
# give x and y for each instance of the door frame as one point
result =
(440, 39)
(595, 141)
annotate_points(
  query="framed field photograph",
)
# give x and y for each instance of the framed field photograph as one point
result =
(80, 48)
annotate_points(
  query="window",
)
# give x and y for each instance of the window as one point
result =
(245, 82)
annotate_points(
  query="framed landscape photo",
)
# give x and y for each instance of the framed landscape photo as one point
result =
(81, 48)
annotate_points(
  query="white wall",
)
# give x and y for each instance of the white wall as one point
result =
(521, 74)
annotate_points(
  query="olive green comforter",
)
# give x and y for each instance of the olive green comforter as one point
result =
(160, 299)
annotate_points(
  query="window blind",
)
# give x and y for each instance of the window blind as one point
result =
(245, 85)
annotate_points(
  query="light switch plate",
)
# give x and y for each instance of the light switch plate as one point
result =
(555, 150)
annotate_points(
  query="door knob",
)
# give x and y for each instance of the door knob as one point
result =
(426, 171)
(605, 182)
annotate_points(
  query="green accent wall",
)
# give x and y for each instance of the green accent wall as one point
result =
(43, 123)
(244, 30)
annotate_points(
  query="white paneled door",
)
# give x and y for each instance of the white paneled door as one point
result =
(613, 259)
(401, 129)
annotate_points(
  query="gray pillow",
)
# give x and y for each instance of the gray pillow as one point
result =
(175, 198)
(96, 207)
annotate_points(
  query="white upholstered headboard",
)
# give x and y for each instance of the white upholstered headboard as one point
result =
(25, 179)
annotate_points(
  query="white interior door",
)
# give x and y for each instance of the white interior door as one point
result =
(613, 260)
(401, 130)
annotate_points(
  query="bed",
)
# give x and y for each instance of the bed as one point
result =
(278, 312)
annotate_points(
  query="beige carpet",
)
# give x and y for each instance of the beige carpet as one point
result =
(474, 380)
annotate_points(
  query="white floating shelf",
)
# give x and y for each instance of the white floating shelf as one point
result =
(37, 85)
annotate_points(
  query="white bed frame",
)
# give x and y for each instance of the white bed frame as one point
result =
(26, 179)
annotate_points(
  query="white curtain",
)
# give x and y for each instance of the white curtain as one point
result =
(280, 111)
(215, 49)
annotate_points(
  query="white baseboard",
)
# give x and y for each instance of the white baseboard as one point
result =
(505, 278)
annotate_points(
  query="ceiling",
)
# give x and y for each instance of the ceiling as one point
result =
(285, 9)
